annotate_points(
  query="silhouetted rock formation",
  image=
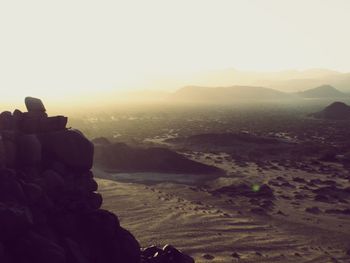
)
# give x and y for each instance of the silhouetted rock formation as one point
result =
(335, 111)
(49, 208)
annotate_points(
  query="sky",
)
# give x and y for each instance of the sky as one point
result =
(74, 47)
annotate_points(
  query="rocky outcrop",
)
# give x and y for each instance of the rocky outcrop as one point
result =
(49, 204)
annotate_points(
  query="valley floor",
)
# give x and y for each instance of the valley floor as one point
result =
(221, 229)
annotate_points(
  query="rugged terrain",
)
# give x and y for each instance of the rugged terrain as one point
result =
(284, 196)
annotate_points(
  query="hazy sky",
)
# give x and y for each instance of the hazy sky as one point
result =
(49, 48)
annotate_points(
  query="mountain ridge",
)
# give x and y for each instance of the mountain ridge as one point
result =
(232, 93)
(323, 91)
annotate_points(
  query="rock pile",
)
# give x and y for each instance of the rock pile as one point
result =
(49, 207)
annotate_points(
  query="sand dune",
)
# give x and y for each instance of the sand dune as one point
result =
(218, 228)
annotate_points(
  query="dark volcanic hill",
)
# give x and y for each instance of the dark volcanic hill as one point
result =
(124, 158)
(335, 111)
(227, 94)
(324, 91)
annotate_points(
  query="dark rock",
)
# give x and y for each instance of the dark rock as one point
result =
(313, 210)
(33, 247)
(53, 183)
(33, 192)
(287, 184)
(322, 198)
(11, 190)
(51, 124)
(267, 204)
(85, 185)
(168, 254)
(208, 257)
(338, 211)
(34, 105)
(258, 211)
(6, 120)
(299, 180)
(74, 253)
(59, 168)
(67, 224)
(99, 225)
(129, 248)
(17, 113)
(69, 147)
(29, 150)
(10, 150)
(280, 213)
(149, 252)
(13, 221)
(174, 255)
(49, 208)
(29, 124)
(333, 191)
(94, 200)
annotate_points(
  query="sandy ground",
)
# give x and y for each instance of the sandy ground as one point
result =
(199, 223)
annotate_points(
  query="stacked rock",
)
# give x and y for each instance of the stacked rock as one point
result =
(49, 208)
(167, 254)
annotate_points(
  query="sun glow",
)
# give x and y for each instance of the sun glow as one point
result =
(60, 49)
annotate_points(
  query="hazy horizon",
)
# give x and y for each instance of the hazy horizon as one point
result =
(77, 48)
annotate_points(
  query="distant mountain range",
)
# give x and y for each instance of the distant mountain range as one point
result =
(227, 94)
(324, 91)
(222, 94)
(288, 80)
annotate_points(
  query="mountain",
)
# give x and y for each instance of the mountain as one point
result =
(324, 91)
(288, 80)
(335, 111)
(227, 94)
(124, 158)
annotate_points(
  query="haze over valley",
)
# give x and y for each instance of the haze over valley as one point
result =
(175, 131)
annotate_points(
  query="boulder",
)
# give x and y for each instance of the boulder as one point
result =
(34, 105)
